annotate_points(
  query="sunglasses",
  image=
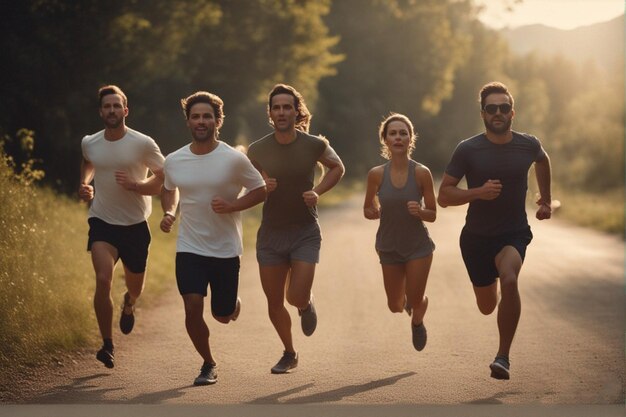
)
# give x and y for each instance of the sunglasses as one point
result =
(505, 108)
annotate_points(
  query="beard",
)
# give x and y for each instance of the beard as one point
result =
(205, 137)
(112, 123)
(505, 127)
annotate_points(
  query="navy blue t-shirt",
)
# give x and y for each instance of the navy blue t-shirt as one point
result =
(479, 160)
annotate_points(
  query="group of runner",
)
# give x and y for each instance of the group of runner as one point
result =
(207, 183)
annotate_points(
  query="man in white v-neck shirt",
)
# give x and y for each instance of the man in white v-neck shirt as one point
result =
(117, 160)
(207, 176)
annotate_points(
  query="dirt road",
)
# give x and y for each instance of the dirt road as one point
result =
(569, 348)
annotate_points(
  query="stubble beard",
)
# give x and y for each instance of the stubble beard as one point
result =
(498, 130)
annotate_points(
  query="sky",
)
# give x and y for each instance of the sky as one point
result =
(561, 14)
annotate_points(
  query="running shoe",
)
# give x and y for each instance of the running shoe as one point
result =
(106, 357)
(500, 368)
(127, 321)
(419, 336)
(308, 318)
(208, 375)
(287, 362)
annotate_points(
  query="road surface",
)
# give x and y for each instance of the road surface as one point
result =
(568, 351)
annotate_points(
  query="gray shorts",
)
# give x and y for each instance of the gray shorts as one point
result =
(396, 258)
(278, 246)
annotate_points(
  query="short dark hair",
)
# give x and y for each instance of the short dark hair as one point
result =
(303, 119)
(205, 97)
(382, 132)
(111, 89)
(494, 87)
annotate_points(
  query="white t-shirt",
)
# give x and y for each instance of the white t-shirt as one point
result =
(135, 153)
(223, 172)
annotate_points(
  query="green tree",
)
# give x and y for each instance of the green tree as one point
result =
(400, 56)
(158, 52)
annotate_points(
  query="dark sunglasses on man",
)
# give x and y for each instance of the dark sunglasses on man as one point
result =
(505, 108)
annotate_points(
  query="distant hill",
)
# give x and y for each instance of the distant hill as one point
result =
(602, 42)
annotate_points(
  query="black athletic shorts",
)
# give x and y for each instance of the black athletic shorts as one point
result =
(194, 273)
(479, 253)
(132, 242)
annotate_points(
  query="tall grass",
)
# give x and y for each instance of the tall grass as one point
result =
(46, 275)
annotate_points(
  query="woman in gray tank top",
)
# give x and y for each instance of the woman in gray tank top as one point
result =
(401, 194)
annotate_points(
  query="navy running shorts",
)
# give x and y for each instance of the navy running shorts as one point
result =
(479, 253)
(194, 274)
(132, 242)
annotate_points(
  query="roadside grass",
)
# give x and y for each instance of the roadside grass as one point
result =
(600, 211)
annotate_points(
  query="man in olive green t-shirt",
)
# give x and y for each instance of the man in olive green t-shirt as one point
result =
(289, 239)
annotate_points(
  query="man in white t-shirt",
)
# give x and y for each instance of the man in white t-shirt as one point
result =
(117, 160)
(208, 176)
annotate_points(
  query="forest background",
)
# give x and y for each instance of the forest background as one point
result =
(354, 60)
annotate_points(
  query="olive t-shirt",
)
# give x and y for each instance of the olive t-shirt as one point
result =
(293, 166)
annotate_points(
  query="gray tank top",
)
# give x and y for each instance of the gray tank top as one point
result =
(398, 230)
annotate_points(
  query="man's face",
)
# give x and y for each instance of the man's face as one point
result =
(498, 122)
(283, 112)
(112, 110)
(201, 122)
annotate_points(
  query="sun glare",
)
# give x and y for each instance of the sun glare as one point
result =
(561, 14)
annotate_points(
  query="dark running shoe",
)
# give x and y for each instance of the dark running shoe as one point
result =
(287, 362)
(127, 321)
(419, 336)
(308, 318)
(106, 357)
(208, 375)
(500, 368)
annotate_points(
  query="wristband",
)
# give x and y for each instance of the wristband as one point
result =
(169, 213)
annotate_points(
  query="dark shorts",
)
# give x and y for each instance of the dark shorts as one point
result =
(479, 253)
(132, 242)
(279, 246)
(194, 273)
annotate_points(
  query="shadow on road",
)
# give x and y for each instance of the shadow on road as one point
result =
(328, 396)
(82, 391)
(494, 399)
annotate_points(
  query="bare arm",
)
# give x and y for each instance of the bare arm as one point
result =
(451, 195)
(330, 160)
(85, 189)
(250, 199)
(543, 172)
(149, 186)
(428, 212)
(371, 207)
(169, 202)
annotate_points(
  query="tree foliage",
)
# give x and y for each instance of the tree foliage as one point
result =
(354, 60)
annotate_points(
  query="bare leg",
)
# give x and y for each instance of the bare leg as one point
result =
(395, 288)
(103, 257)
(134, 284)
(487, 298)
(416, 277)
(197, 328)
(509, 264)
(300, 284)
(273, 281)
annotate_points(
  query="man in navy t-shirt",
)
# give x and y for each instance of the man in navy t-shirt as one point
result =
(493, 242)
